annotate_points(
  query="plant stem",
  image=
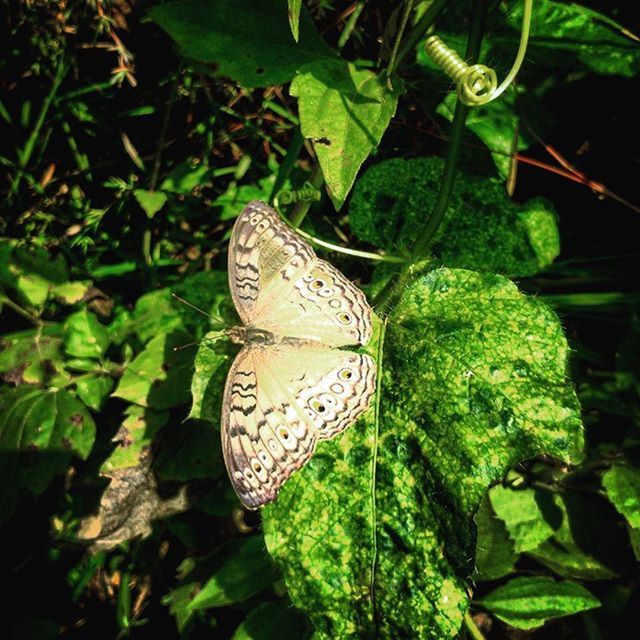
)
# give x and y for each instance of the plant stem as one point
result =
(394, 52)
(472, 627)
(419, 31)
(20, 311)
(288, 163)
(25, 154)
(395, 286)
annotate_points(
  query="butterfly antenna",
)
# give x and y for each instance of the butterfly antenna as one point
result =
(193, 306)
(220, 335)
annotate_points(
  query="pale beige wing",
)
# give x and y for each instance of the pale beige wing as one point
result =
(322, 306)
(265, 259)
(278, 284)
(278, 402)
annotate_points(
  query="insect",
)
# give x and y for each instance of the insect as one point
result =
(291, 384)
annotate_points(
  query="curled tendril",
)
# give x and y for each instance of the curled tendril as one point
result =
(477, 84)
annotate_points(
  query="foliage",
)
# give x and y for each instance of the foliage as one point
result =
(465, 502)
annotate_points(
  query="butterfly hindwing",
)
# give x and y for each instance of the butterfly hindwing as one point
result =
(280, 401)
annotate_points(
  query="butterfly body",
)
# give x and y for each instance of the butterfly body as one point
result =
(292, 383)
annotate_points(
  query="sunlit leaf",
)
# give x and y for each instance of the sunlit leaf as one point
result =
(622, 484)
(528, 602)
(344, 111)
(93, 389)
(294, 17)
(374, 534)
(134, 437)
(33, 356)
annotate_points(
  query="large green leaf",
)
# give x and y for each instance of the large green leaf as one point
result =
(343, 111)
(375, 535)
(40, 431)
(482, 230)
(528, 602)
(158, 312)
(249, 42)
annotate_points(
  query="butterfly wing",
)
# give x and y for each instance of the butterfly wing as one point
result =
(281, 401)
(278, 284)
(265, 259)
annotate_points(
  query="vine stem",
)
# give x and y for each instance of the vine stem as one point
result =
(422, 246)
(472, 627)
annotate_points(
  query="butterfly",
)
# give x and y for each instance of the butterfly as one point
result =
(291, 384)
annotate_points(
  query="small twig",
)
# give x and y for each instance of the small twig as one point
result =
(20, 311)
(394, 52)
(472, 627)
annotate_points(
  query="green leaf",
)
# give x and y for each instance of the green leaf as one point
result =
(482, 230)
(93, 389)
(158, 312)
(33, 356)
(294, 17)
(40, 432)
(207, 385)
(495, 555)
(272, 620)
(184, 178)
(70, 292)
(528, 602)
(597, 552)
(150, 201)
(30, 273)
(344, 111)
(527, 514)
(159, 376)
(85, 336)
(226, 33)
(622, 484)
(134, 438)
(570, 35)
(237, 572)
(473, 381)
(189, 451)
